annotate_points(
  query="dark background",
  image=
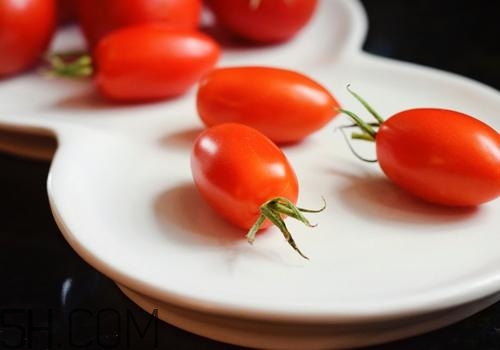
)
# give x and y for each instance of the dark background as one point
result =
(39, 271)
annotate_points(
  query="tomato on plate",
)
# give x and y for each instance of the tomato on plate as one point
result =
(26, 28)
(99, 17)
(263, 21)
(152, 61)
(442, 156)
(246, 178)
(284, 105)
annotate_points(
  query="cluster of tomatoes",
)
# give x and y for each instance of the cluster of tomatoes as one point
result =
(236, 163)
(141, 50)
(441, 156)
(144, 50)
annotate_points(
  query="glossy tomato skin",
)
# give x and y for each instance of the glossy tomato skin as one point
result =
(150, 62)
(441, 156)
(99, 17)
(26, 27)
(237, 169)
(284, 105)
(268, 22)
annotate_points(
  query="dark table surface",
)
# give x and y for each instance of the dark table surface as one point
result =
(42, 280)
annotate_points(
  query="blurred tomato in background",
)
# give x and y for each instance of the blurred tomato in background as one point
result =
(263, 21)
(99, 17)
(26, 27)
(152, 61)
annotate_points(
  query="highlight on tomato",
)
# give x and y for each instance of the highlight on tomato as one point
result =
(285, 105)
(97, 18)
(442, 156)
(145, 62)
(246, 179)
(26, 28)
(263, 21)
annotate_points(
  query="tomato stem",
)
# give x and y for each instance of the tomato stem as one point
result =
(362, 136)
(70, 65)
(273, 210)
(368, 130)
(365, 104)
(305, 210)
(364, 126)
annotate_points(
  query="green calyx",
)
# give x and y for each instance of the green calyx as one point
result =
(274, 210)
(365, 104)
(73, 65)
(368, 131)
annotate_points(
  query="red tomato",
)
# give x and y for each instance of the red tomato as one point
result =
(66, 11)
(442, 156)
(263, 21)
(284, 105)
(26, 27)
(246, 178)
(148, 62)
(237, 169)
(99, 17)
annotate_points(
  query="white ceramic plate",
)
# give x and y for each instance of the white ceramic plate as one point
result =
(127, 205)
(120, 188)
(265, 334)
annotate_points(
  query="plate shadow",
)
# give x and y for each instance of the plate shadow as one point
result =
(181, 139)
(183, 207)
(374, 196)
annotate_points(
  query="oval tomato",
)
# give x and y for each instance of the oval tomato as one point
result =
(439, 155)
(99, 17)
(442, 156)
(284, 105)
(246, 178)
(263, 21)
(148, 62)
(237, 169)
(26, 27)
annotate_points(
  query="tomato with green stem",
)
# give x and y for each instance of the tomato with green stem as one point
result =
(284, 105)
(26, 28)
(246, 179)
(145, 62)
(442, 156)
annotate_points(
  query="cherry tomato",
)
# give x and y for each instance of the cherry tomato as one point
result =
(263, 21)
(442, 156)
(237, 169)
(246, 178)
(148, 62)
(26, 27)
(99, 17)
(284, 105)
